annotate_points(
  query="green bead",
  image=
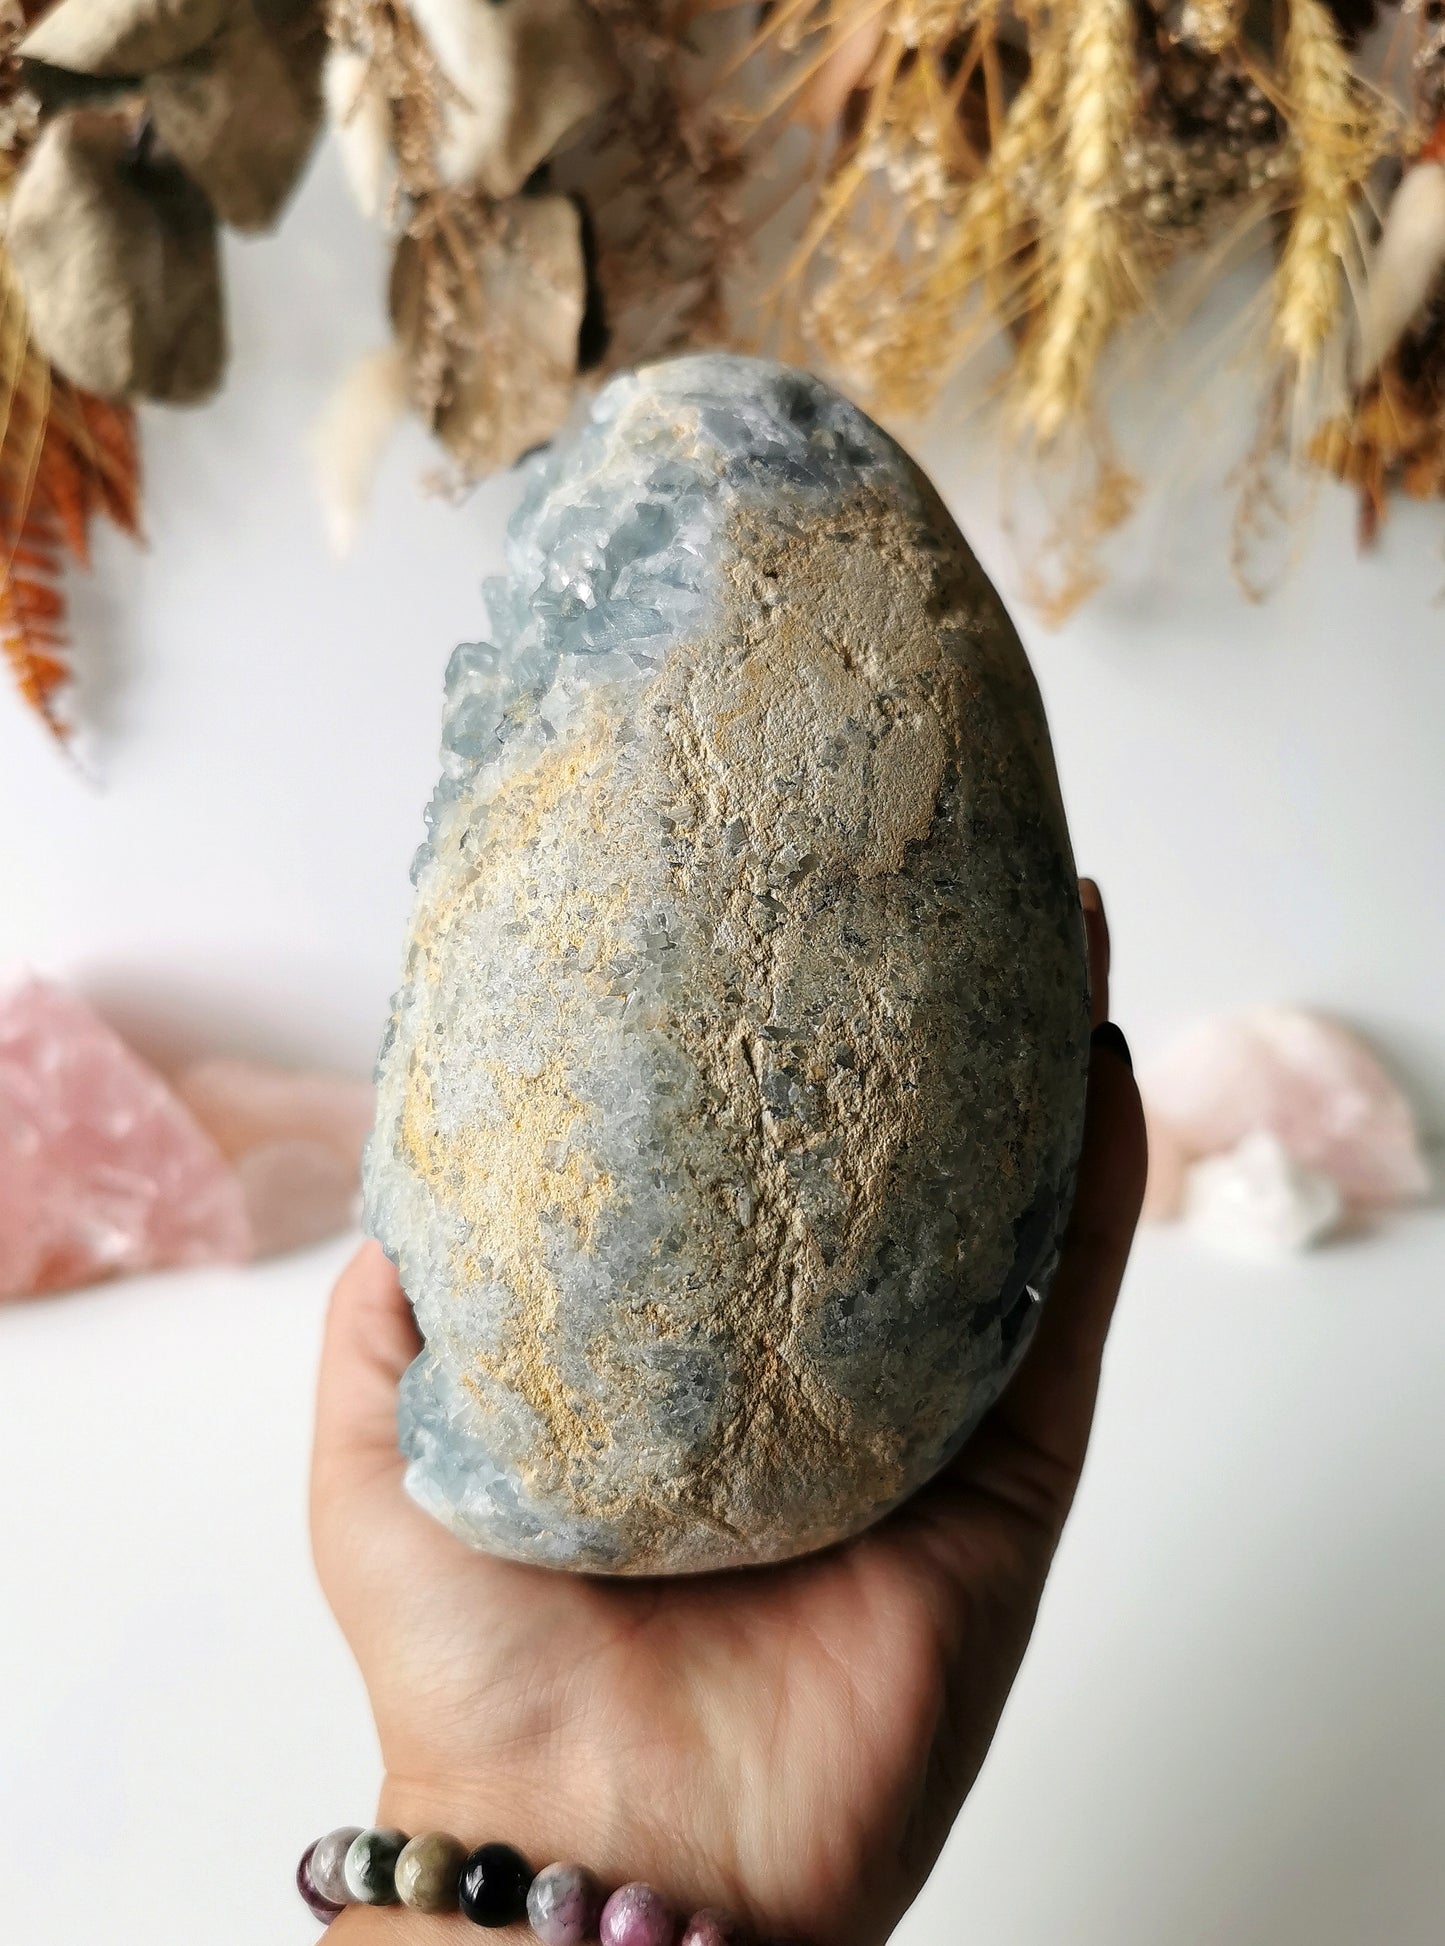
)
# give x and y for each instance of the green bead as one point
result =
(371, 1866)
(427, 1872)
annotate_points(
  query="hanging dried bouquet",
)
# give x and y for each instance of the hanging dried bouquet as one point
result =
(559, 200)
(129, 131)
(1029, 176)
(951, 174)
(879, 187)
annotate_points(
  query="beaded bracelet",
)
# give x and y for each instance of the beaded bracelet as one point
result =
(491, 1886)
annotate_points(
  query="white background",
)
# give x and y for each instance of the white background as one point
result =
(1231, 1728)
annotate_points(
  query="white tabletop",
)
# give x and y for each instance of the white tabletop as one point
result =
(1230, 1729)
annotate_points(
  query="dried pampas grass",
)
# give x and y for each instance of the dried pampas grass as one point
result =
(359, 112)
(350, 437)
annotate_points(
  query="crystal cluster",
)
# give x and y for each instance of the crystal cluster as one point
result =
(729, 1113)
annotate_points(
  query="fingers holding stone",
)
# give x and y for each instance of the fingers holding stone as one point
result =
(1049, 1407)
(1096, 936)
(371, 1338)
(1022, 1465)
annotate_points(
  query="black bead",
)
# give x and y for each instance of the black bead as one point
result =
(494, 1887)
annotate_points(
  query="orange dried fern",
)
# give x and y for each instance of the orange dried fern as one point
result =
(65, 456)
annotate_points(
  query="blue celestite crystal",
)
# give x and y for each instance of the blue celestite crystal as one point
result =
(728, 1117)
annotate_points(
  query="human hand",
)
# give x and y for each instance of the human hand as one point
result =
(791, 1743)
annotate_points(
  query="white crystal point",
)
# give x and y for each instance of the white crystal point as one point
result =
(728, 1119)
(1256, 1201)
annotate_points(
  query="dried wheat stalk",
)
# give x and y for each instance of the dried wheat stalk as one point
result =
(1088, 272)
(1212, 25)
(1338, 134)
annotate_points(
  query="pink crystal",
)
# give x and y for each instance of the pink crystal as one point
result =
(1301, 1077)
(295, 1140)
(102, 1169)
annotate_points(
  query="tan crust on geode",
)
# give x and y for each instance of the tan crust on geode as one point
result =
(855, 622)
(499, 1180)
(728, 1121)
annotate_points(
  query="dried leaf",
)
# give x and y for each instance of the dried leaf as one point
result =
(65, 456)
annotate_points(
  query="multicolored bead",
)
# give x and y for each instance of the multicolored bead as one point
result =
(371, 1866)
(564, 1905)
(328, 1864)
(711, 1928)
(429, 1871)
(323, 1909)
(638, 1915)
(494, 1885)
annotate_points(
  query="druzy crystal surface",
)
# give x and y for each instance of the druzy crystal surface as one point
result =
(729, 1113)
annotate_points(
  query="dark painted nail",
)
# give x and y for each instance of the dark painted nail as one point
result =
(1106, 1034)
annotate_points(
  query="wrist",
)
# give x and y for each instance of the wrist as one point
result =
(393, 1925)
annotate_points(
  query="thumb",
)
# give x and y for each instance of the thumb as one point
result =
(371, 1338)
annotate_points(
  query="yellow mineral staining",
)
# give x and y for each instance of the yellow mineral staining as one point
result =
(515, 1177)
(827, 671)
(517, 1191)
(503, 1180)
(847, 643)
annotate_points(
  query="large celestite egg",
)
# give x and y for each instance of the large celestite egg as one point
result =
(730, 1111)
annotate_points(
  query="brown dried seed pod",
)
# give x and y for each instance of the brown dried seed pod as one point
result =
(121, 37)
(488, 307)
(242, 114)
(116, 256)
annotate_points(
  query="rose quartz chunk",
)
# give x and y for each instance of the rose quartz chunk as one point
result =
(294, 1139)
(102, 1169)
(1302, 1078)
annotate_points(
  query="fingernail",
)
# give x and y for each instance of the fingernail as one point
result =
(1107, 1034)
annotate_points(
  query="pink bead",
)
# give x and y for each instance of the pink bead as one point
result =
(711, 1928)
(638, 1915)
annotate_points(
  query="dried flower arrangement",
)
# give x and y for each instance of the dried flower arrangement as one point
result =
(1025, 175)
(129, 129)
(65, 455)
(567, 185)
(971, 172)
(559, 203)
